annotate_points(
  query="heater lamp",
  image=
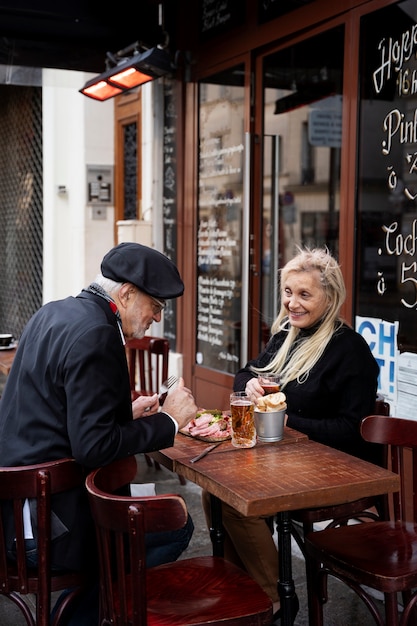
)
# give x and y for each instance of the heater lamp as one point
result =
(128, 74)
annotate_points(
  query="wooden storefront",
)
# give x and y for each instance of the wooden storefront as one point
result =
(295, 124)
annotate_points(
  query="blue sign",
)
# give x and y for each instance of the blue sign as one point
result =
(381, 336)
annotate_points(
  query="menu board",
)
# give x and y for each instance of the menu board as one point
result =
(170, 198)
(219, 237)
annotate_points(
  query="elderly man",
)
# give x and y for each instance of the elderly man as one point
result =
(68, 392)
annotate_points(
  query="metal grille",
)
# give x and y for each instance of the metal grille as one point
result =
(130, 171)
(21, 212)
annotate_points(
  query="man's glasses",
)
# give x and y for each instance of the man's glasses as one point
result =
(158, 305)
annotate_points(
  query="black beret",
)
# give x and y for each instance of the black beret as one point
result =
(144, 267)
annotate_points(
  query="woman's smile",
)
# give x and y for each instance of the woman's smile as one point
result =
(304, 298)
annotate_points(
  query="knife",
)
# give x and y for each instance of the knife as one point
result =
(205, 451)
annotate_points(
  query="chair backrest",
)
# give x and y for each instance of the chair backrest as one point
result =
(121, 523)
(148, 363)
(400, 437)
(381, 407)
(38, 482)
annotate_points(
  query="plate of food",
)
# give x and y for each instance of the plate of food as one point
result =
(209, 425)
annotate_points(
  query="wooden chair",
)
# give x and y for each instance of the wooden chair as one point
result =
(381, 555)
(147, 360)
(364, 509)
(200, 590)
(17, 580)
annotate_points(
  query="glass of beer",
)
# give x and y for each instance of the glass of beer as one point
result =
(243, 420)
(270, 383)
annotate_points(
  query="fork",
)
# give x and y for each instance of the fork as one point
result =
(165, 387)
(163, 390)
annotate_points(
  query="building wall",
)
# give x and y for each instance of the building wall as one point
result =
(77, 131)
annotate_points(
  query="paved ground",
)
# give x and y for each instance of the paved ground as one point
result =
(344, 609)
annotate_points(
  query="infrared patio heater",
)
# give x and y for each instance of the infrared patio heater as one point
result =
(124, 72)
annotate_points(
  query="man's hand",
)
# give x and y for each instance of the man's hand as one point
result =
(180, 404)
(145, 405)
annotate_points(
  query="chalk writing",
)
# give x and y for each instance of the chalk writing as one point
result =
(399, 244)
(396, 61)
(169, 200)
(219, 224)
(213, 296)
(394, 53)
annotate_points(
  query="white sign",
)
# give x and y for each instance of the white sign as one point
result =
(407, 386)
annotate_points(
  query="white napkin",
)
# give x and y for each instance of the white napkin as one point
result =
(142, 489)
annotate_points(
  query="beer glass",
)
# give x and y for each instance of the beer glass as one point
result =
(243, 420)
(270, 383)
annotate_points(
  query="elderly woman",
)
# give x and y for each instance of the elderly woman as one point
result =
(329, 377)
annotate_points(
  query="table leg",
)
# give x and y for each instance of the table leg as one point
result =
(216, 530)
(286, 588)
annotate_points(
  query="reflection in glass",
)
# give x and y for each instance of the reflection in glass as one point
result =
(219, 237)
(301, 157)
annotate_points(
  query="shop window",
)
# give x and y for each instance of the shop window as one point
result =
(128, 188)
(220, 218)
(301, 156)
(386, 283)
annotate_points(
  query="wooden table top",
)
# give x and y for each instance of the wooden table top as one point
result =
(186, 446)
(284, 476)
(6, 360)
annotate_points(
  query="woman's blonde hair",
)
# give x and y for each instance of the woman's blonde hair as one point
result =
(294, 359)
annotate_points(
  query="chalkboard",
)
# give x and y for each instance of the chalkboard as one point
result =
(170, 198)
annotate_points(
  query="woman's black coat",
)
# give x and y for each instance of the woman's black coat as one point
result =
(338, 393)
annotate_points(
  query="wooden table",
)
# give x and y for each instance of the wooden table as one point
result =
(186, 446)
(6, 360)
(277, 478)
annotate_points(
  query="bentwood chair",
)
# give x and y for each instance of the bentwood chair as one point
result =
(381, 555)
(148, 360)
(203, 590)
(17, 579)
(364, 509)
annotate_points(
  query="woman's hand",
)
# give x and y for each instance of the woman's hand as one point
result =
(145, 405)
(253, 389)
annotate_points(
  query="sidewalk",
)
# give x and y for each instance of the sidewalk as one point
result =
(343, 609)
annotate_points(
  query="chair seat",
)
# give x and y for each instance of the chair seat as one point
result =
(204, 590)
(39, 483)
(383, 555)
(200, 591)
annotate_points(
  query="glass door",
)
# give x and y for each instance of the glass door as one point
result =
(221, 225)
(302, 134)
